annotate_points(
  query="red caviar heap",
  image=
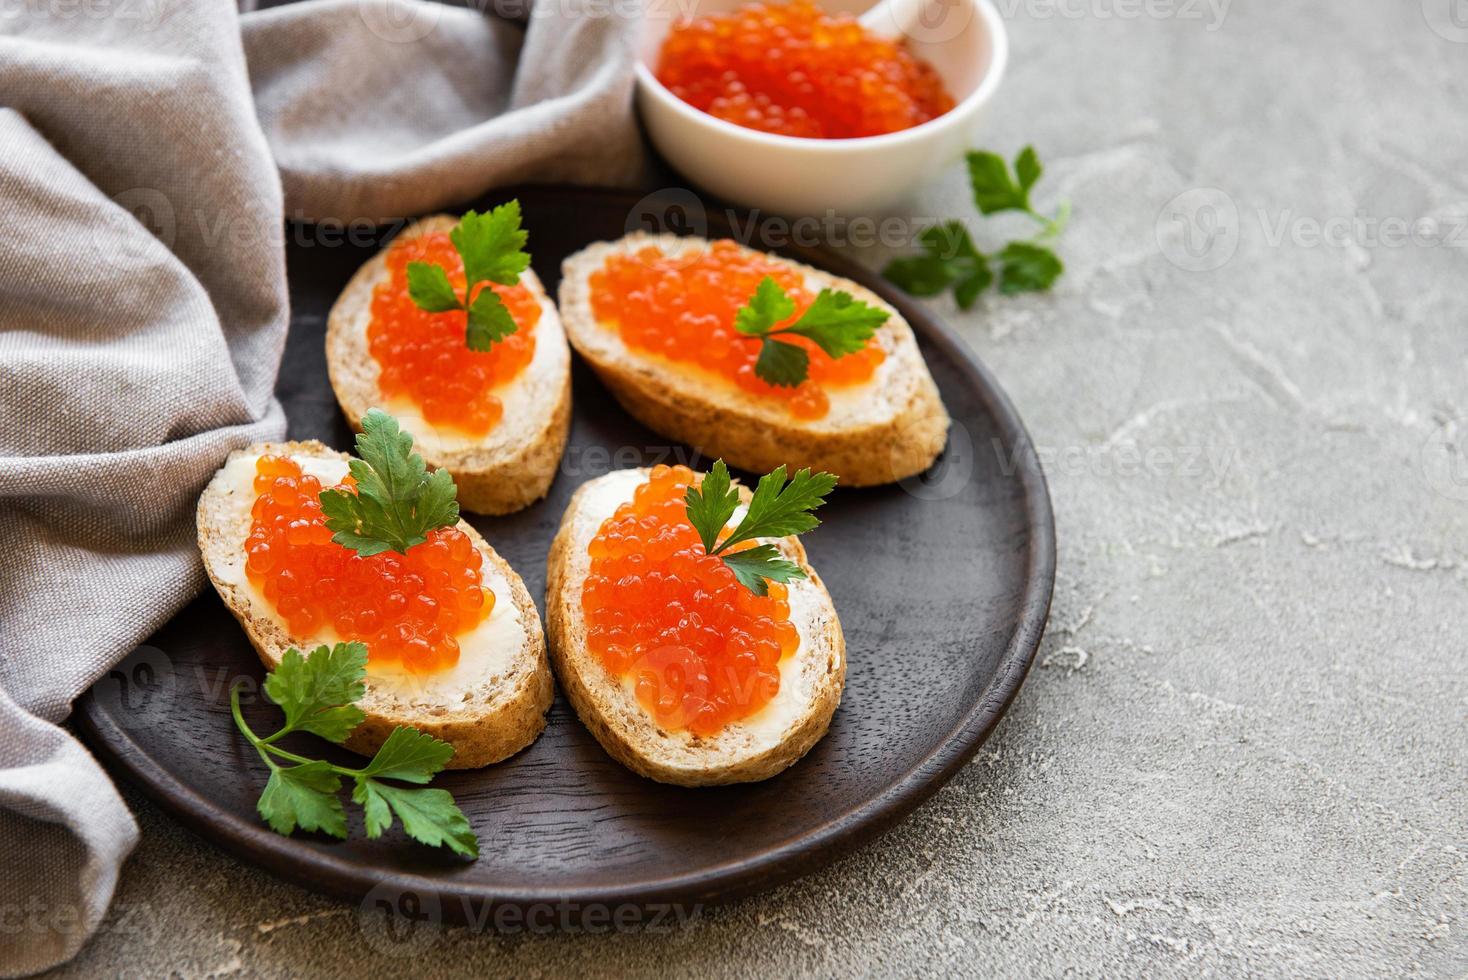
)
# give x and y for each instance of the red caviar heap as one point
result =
(407, 608)
(796, 70)
(702, 650)
(683, 308)
(423, 356)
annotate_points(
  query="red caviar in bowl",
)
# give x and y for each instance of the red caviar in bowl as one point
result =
(407, 609)
(796, 70)
(423, 356)
(701, 650)
(683, 307)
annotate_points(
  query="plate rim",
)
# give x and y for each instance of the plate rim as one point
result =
(321, 871)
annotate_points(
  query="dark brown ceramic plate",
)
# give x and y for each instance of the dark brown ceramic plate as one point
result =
(943, 586)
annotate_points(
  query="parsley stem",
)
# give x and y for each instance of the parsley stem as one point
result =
(265, 747)
(249, 733)
(339, 770)
(1052, 227)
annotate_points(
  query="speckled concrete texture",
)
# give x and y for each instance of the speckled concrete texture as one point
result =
(1242, 750)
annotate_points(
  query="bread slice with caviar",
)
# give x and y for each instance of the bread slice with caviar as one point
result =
(890, 426)
(647, 716)
(511, 465)
(488, 704)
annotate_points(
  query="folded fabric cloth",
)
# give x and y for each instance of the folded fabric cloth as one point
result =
(143, 312)
(393, 109)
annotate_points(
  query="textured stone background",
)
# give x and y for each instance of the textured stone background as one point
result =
(1243, 746)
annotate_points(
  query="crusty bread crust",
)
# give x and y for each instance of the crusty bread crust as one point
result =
(488, 724)
(625, 729)
(515, 463)
(900, 433)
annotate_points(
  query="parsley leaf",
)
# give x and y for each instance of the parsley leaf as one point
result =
(428, 815)
(489, 320)
(397, 500)
(753, 567)
(409, 755)
(711, 504)
(950, 258)
(768, 306)
(303, 796)
(776, 510)
(1027, 168)
(839, 323)
(782, 364)
(835, 321)
(1028, 267)
(429, 288)
(491, 247)
(318, 695)
(995, 189)
(920, 275)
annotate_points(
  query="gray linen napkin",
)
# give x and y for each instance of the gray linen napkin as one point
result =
(143, 312)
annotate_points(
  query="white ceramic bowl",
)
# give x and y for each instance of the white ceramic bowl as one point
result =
(797, 176)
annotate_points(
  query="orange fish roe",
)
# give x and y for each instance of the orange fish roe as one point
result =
(796, 70)
(701, 649)
(407, 609)
(683, 308)
(423, 356)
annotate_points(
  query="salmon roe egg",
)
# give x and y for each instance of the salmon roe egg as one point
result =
(424, 357)
(700, 649)
(407, 608)
(796, 70)
(683, 307)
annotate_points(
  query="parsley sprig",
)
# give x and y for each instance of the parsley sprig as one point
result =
(492, 247)
(951, 260)
(776, 510)
(397, 500)
(836, 322)
(318, 695)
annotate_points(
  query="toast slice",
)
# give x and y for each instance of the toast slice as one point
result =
(881, 431)
(755, 748)
(490, 706)
(512, 465)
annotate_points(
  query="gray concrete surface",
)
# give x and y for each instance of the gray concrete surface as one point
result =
(1243, 747)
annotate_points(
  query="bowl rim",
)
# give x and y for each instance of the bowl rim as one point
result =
(998, 35)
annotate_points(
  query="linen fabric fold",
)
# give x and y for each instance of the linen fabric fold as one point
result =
(144, 185)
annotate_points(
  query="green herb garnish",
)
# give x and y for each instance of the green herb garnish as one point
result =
(950, 258)
(775, 511)
(492, 249)
(318, 694)
(397, 500)
(836, 322)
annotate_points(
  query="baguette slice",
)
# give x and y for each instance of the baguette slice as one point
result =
(879, 432)
(488, 707)
(755, 748)
(510, 467)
